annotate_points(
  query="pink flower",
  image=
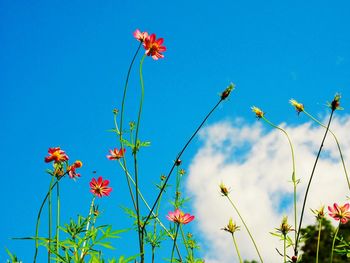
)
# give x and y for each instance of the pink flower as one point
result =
(56, 155)
(100, 187)
(116, 154)
(179, 217)
(71, 169)
(140, 36)
(154, 47)
(341, 213)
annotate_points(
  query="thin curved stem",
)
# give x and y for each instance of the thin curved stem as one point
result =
(246, 227)
(38, 221)
(337, 142)
(58, 218)
(284, 249)
(184, 240)
(236, 247)
(173, 249)
(145, 202)
(155, 215)
(50, 220)
(155, 227)
(294, 180)
(177, 158)
(135, 150)
(318, 239)
(122, 120)
(334, 238)
(125, 91)
(87, 227)
(309, 183)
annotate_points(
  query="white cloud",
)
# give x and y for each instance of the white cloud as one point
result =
(254, 160)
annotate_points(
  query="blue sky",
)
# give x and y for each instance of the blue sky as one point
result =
(63, 66)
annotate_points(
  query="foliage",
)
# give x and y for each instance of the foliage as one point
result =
(311, 234)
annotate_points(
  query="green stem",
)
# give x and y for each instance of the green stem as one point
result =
(141, 100)
(177, 158)
(334, 238)
(318, 238)
(135, 150)
(153, 253)
(58, 218)
(338, 145)
(50, 220)
(173, 249)
(155, 215)
(38, 221)
(246, 227)
(236, 247)
(309, 183)
(184, 240)
(122, 120)
(155, 226)
(82, 255)
(294, 180)
(124, 94)
(284, 249)
(177, 189)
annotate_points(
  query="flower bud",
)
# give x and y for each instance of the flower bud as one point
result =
(227, 91)
(258, 112)
(223, 189)
(298, 106)
(231, 227)
(335, 105)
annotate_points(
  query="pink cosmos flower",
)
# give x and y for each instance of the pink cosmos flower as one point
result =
(56, 155)
(154, 47)
(100, 187)
(140, 36)
(71, 169)
(116, 154)
(180, 217)
(341, 213)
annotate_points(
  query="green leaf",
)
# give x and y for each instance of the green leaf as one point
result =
(106, 245)
(122, 259)
(113, 130)
(145, 144)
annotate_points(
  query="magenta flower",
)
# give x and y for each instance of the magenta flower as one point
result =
(341, 213)
(140, 36)
(180, 217)
(116, 154)
(154, 47)
(100, 187)
(56, 155)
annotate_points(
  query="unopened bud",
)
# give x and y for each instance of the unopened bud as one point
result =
(227, 91)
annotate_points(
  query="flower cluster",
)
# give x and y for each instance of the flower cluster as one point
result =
(153, 46)
(60, 163)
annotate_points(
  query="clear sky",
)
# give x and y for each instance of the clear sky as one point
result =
(63, 65)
